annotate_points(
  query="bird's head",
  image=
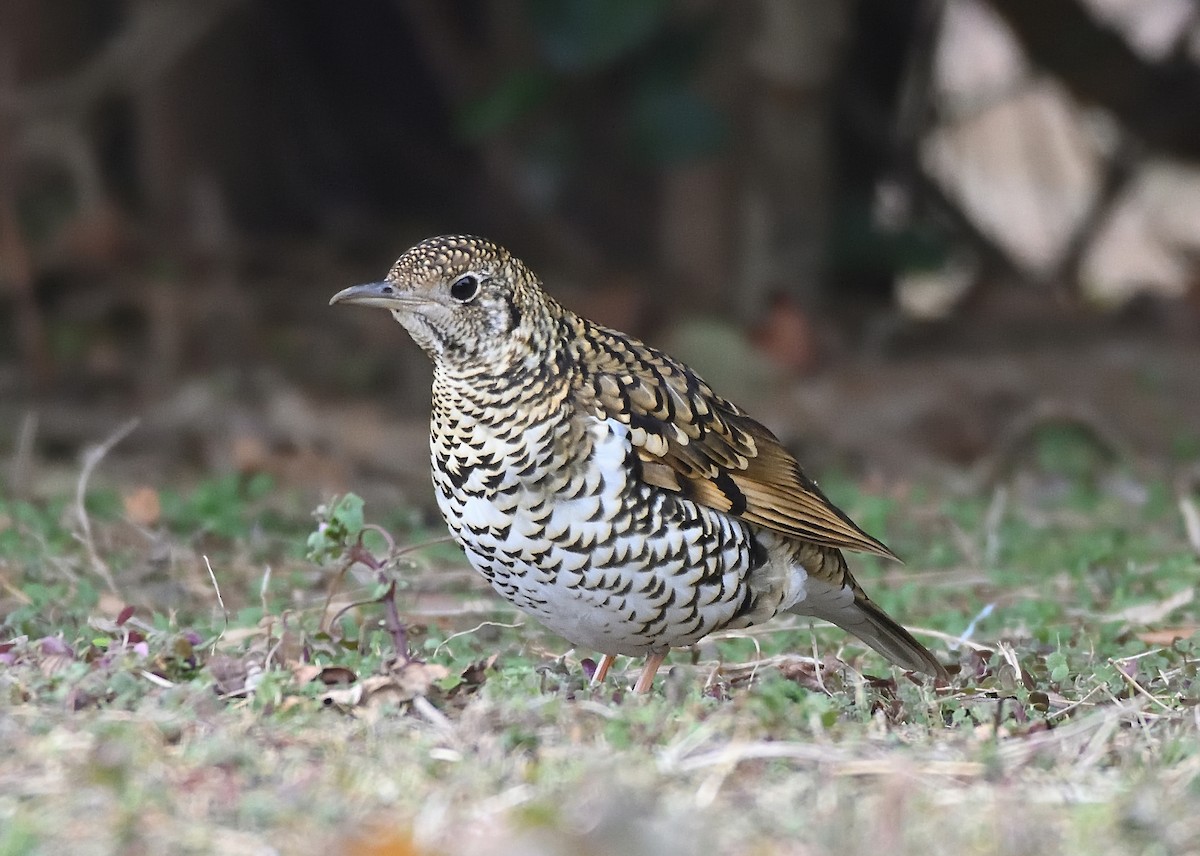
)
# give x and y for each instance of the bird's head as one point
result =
(467, 302)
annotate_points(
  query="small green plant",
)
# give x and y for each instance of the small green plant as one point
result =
(339, 525)
(339, 538)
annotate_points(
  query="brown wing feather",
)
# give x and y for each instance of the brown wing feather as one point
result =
(692, 441)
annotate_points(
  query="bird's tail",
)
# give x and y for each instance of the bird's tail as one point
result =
(834, 597)
(875, 627)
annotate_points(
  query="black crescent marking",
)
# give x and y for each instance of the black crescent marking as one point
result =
(733, 493)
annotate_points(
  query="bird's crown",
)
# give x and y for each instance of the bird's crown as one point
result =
(447, 257)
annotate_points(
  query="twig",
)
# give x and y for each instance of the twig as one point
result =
(474, 629)
(433, 716)
(273, 644)
(360, 554)
(392, 622)
(395, 626)
(90, 461)
(157, 680)
(391, 542)
(270, 619)
(220, 602)
(1141, 690)
(758, 655)
(331, 628)
(1061, 713)
(355, 554)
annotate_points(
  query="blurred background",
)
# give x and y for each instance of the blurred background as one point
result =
(904, 232)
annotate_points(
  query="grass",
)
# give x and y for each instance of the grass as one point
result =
(160, 717)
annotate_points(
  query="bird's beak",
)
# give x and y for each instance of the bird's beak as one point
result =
(383, 294)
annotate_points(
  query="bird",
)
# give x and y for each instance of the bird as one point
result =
(602, 486)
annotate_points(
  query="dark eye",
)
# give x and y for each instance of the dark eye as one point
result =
(465, 287)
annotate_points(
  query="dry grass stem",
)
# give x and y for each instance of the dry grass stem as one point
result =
(90, 460)
(220, 602)
(460, 634)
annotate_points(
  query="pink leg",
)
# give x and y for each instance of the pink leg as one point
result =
(646, 680)
(602, 669)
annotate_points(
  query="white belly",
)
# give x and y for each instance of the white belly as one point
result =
(616, 567)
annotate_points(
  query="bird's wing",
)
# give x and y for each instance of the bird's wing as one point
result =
(691, 441)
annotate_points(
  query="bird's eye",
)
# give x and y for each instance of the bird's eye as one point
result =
(465, 287)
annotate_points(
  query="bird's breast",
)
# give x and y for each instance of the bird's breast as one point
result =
(553, 514)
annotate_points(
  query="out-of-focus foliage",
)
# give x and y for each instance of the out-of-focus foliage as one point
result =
(581, 48)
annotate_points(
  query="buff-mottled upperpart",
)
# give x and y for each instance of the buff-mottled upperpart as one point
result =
(601, 485)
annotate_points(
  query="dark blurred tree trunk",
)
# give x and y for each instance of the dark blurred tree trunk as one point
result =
(36, 39)
(698, 231)
(783, 204)
(884, 106)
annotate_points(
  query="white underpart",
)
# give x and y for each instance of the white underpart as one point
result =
(616, 567)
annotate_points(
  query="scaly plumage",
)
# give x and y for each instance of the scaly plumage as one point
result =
(601, 485)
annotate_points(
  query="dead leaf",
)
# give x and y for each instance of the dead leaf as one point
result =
(142, 506)
(388, 697)
(289, 650)
(55, 663)
(335, 675)
(474, 676)
(349, 696)
(397, 687)
(330, 676)
(1168, 635)
(230, 674)
(1152, 613)
(305, 672)
(414, 679)
(375, 683)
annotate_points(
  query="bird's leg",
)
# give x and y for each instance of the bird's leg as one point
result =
(646, 679)
(602, 669)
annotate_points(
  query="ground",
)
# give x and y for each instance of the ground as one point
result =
(184, 669)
